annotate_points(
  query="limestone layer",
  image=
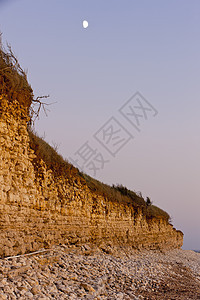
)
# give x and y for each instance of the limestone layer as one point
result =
(39, 211)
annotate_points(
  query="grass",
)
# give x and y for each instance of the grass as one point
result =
(53, 160)
(62, 168)
(156, 212)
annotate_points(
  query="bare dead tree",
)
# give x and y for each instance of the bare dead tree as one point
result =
(37, 106)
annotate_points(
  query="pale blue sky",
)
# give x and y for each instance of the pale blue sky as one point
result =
(148, 46)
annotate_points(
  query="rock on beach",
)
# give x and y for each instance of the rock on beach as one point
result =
(87, 272)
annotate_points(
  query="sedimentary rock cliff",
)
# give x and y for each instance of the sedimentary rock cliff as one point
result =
(38, 210)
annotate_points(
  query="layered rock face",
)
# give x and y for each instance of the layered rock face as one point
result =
(39, 211)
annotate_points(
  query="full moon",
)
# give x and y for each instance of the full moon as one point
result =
(85, 24)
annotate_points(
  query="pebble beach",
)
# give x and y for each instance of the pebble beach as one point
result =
(88, 272)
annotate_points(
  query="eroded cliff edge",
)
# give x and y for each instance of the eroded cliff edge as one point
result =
(39, 209)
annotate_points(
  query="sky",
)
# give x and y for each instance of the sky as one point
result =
(124, 92)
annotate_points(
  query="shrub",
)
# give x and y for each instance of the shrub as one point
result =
(13, 79)
(148, 201)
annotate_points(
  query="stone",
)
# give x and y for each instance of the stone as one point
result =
(87, 287)
(35, 290)
(28, 295)
(3, 296)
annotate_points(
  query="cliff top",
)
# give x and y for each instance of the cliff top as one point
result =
(13, 79)
(14, 84)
